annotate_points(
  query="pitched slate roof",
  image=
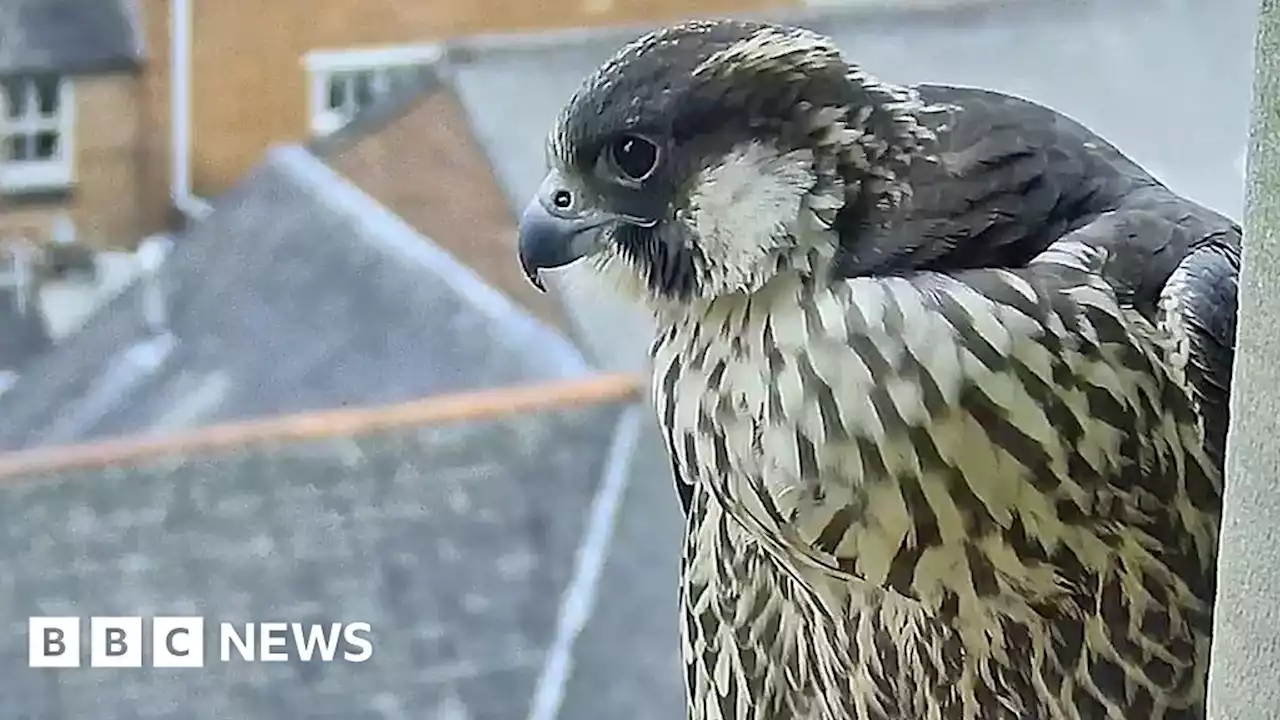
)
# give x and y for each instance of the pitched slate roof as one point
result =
(298, 293)
(69, 36)
(454, 526)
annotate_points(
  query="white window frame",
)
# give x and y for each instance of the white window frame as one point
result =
(52, 173)
(322, 65)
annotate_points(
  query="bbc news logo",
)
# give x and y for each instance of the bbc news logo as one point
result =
(179, 642)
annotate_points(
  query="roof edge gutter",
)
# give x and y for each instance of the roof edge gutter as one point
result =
(577, 603)
(190, 205)
(466, 406)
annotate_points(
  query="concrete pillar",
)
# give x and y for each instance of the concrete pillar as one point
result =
(1244, 682)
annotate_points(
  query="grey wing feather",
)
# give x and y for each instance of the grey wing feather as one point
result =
(1178, 264)
(1208, 289)
(1011, 178)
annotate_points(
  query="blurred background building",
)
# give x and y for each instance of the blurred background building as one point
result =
(265, 353)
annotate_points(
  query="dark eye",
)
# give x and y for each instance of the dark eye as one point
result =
(634, 157)
(563, 199)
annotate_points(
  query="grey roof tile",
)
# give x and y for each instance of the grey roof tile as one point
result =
(298, 293)
(455, 542)
(69, 36)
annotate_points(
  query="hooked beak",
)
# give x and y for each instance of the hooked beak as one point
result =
(554, 232)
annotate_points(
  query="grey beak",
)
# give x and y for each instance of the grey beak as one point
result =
(551, 237)
(546, 241)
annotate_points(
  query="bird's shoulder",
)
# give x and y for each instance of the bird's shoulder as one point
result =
(1011, 177)
(1006, 178)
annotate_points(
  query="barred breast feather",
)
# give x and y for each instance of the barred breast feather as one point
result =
(948, 496)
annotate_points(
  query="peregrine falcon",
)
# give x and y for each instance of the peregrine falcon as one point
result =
(942, 375)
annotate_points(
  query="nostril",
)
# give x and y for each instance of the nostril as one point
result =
(562, 199)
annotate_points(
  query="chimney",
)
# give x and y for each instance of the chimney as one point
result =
(151, 254)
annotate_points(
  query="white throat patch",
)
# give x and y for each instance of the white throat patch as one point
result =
(744, 208)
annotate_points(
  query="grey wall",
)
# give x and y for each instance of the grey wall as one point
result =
(1245, 679)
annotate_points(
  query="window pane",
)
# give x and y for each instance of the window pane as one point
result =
(337, 91)
(363, 82)
(47, 94)
(15, 96)
(17, 147)
(46, 145)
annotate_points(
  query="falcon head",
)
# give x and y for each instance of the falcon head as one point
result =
(706, 158)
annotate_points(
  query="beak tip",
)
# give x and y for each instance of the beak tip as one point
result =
(535, 277)
(545, 240)
(532, 272)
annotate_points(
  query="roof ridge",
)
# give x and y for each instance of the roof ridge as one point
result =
(436, 410)
(391, 234)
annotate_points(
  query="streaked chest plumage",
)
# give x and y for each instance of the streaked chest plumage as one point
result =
(952, 440)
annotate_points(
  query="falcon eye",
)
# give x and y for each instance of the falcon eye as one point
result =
(634, 157)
